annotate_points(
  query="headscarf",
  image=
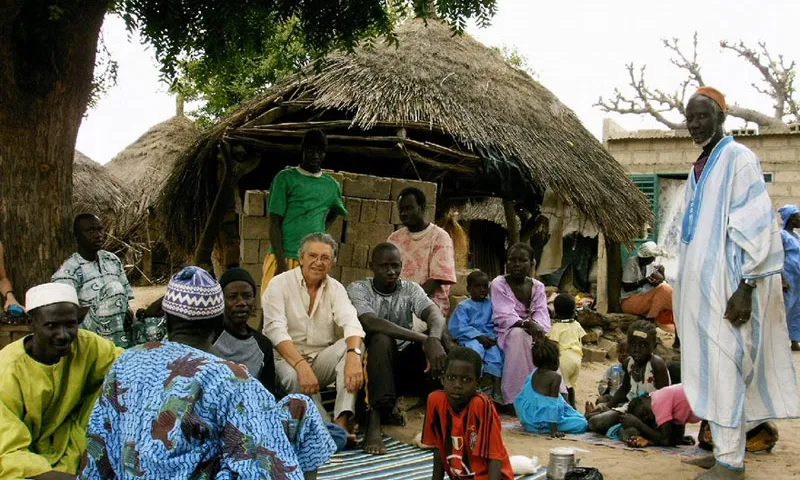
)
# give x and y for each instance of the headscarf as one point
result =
(193, 294)
(650, 250)
(786, 212)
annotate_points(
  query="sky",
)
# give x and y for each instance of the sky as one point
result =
(577, 48)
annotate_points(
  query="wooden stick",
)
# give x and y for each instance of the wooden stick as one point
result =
(267, 117)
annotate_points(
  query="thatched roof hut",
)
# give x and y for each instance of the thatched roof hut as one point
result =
(145, 164)
(439, 107)
(95, 190)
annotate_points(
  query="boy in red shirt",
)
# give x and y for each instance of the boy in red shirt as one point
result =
(463, 425)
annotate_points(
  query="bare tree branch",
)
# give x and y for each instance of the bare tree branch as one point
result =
(754, 116)
(777, 75)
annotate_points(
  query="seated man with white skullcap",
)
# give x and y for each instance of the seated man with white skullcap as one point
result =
(49, 381)
(173, 409)
(644, 289)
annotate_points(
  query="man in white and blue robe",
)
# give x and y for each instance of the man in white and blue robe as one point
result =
(736, 367)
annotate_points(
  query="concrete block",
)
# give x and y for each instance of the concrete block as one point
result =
(592, 335)
(368, 211)
(383, 211)
(609, 346)
(254, 204)
(336, 176)
(353, 206)
(345, 254)
(360, 258)
(367, 186)
(428, 188)
(336, 272)
(781, 190)
(367, 233)
(593, 354)
(337, 229)
(255, 270)
(249, 251)
(254, 228)
(351, 274)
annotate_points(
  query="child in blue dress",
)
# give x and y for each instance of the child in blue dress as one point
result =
(539, 406)
(471, 326)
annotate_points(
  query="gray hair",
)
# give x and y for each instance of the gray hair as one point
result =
(320, 237)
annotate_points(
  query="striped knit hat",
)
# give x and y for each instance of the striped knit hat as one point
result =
(193, 294)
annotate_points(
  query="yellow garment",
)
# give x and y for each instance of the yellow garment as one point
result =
(44, 409)
(271, 267)
(569, 335)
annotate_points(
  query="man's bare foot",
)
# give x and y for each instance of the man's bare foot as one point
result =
(703, 462)
(373, 438)
(718, 472)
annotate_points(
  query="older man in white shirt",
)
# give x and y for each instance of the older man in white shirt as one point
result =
(310, 320)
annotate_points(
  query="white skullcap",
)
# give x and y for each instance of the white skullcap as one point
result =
(650, 250)
(48, 294)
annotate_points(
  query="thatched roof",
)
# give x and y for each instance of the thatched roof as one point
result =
(145, 164)
(451, 109)
(95, 190)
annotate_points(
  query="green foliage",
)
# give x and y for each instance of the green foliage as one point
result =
(287, 44)
(105, 74)
(516, 59)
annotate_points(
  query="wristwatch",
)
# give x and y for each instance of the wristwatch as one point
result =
(357, 351)
(750, 282)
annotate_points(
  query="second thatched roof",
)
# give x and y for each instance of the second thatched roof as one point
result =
(96, 191)
(433, 85)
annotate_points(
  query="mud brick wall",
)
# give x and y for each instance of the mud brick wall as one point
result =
(373, 216)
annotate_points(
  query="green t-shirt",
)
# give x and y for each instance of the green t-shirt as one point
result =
(303, 200)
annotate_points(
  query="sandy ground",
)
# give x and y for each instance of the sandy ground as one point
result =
(630, 465)
(147, 295)
(613, 463)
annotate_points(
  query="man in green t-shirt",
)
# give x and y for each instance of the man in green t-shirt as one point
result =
(302, 200)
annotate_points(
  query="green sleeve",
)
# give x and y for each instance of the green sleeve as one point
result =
(278, 192)
(338, 204)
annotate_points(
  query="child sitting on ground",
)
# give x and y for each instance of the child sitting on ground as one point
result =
(567, 332)
(660, 418)
(539, 406)
(463, 426)
(644, 373)
(471, 326)
(612, 379)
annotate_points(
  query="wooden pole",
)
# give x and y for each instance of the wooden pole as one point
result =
(512, 221)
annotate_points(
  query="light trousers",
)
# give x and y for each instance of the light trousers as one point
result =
(328, 366)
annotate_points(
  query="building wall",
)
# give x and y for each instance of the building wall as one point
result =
(373, 216)
(675, 154)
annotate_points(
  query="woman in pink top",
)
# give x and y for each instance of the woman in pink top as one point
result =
(660, 418)
(519, 307)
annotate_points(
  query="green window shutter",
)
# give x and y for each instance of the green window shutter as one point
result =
(648, 184)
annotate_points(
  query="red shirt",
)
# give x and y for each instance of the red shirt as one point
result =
(467, 441)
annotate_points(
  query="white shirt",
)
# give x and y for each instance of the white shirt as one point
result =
(286, 317)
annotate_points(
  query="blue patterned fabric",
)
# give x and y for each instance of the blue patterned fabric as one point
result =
(168, 410)
(193, 294)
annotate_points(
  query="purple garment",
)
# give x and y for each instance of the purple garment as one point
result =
(515, 342)
(700, 165)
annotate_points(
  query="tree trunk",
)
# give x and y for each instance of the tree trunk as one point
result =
(46, 68)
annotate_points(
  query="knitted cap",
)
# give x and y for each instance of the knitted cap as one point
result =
(236, 274)
(193, 294)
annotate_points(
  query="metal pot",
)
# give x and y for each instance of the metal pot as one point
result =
(562, 460)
